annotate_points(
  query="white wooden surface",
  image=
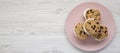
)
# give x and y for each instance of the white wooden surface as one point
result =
(37, 26)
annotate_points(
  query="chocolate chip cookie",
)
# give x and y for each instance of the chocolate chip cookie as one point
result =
(79, 32)
(92, 13)
(103, 33)
(91, 26)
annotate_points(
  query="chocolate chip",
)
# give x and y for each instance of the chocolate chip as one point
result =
(94, 27)
(105, 31)
(75, 26)
(80, 32)
(87, 12)
(98, 14)
(84, 33)
(100, 31)
(91, 26)
(88, 22)
(95, 30)
(95, 19)
(101, 27)
(91, 11)
(97, 22)
(82, 27)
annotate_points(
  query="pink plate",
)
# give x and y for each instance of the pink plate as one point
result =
(75, 16)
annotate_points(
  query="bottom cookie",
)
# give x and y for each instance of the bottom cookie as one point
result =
(79, 32)
(103, 33)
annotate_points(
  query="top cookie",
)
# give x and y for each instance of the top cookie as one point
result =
(91, 26)
(92, 13)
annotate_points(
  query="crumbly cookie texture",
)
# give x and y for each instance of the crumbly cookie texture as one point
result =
(103, 33)
(92, 13)
(79, 32)
(91, 26)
